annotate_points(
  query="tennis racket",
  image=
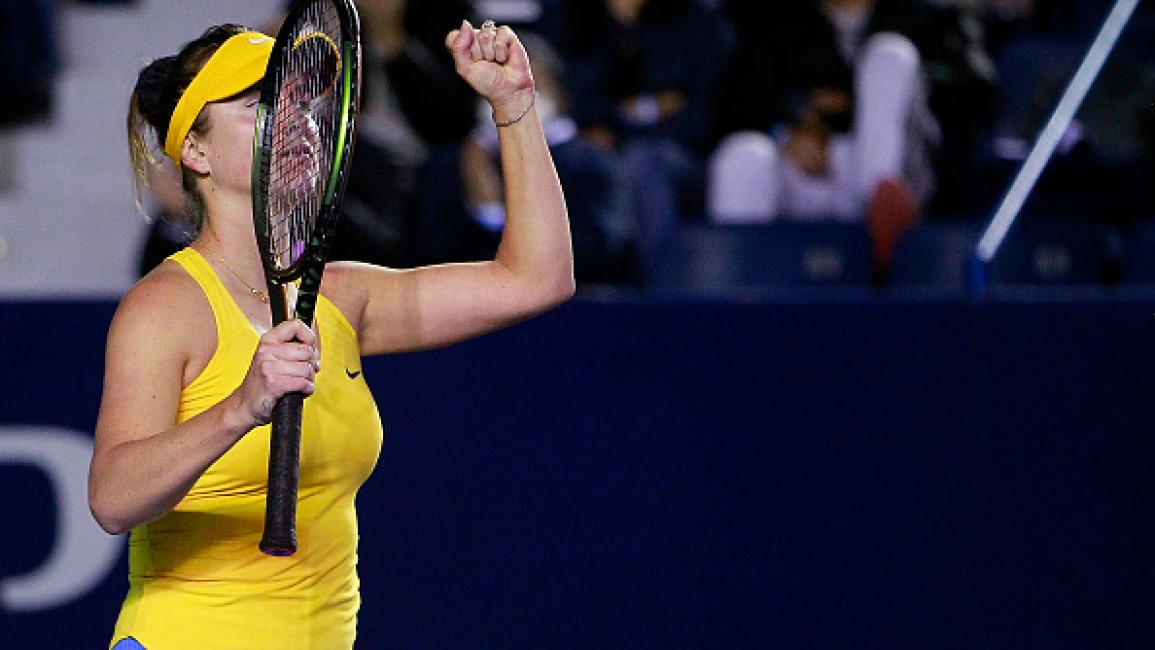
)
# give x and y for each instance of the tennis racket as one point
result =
(304, 142)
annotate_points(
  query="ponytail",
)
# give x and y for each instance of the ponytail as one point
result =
(148, 123)
(158, 89)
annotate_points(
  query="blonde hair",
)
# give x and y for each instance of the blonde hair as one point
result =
(158, 89)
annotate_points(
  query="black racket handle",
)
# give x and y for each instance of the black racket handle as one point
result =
(280, 536)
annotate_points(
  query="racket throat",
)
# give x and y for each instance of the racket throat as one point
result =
(282, 300)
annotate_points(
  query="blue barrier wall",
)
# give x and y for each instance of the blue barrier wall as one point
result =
(854, 475)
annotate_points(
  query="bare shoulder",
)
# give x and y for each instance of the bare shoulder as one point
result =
(165, 313)
(348, 284)
(166, 295)
(158, 337)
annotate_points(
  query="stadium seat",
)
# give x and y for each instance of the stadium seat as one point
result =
(934, 256)
(711, 259)
(1051, 253)
(1140, 257)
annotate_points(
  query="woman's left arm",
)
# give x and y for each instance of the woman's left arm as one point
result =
(428, 307)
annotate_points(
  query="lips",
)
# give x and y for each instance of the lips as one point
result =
(302, 150)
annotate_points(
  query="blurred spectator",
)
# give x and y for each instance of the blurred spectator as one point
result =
(403, 205)
(541, 17)
(1010, 9)
(166, 211)
(1005, 19)
(601, 229)
(834, 108)
(1002, 19)
(8, 172)
(407, 39)
(1095, 172)
(644, 77)
(28, 59)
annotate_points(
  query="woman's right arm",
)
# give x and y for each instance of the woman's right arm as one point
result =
(143, 464)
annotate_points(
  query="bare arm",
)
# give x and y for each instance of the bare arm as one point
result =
(143, 464)
(533, 269)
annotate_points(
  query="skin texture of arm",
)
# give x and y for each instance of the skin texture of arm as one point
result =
(160, 338)
(395, 311)
(163, 336)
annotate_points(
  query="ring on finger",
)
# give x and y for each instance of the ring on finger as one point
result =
(489, 25)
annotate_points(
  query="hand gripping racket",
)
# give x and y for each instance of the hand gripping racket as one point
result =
(301, 153)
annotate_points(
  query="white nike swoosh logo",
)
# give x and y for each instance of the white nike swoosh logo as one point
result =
(258, 41)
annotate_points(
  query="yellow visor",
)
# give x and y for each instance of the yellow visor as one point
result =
(235, 67)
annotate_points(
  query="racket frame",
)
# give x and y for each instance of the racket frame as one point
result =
(279, 537)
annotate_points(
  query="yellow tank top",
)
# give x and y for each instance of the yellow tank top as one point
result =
(196, 577)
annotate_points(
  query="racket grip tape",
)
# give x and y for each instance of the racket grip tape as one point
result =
(280, 536)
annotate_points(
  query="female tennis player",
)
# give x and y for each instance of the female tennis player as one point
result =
(194, 365)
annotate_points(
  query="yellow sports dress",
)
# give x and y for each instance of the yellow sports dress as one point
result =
(196, 578)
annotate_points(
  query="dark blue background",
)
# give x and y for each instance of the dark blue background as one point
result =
(872, 473)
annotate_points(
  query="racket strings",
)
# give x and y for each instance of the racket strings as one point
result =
(305, 123)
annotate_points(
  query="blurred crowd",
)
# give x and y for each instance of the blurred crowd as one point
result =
(663, 114)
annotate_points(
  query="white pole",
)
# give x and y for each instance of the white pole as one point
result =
(1049, 138)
